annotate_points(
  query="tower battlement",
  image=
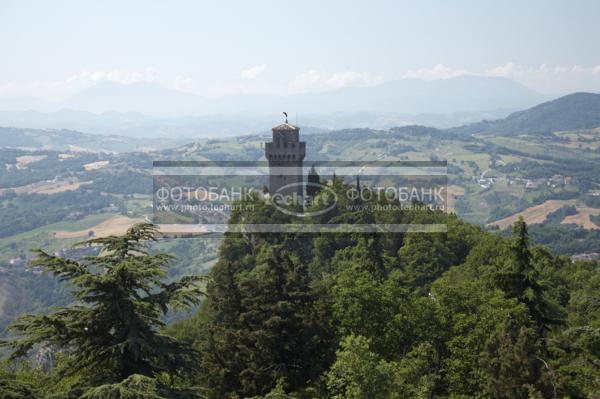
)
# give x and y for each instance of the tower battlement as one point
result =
(285, 155)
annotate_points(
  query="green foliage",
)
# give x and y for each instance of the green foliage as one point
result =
(263, 324)
(571, 112)
(137, 387)
(122, 182)
(511, 362)
(28, 211)
(592, 201)
(18, 385)
(46, 169)
(359, 373)
(553, 236)
(558, 215)
(112, 332)
(461, 314)
(519, 279)
(424, 258)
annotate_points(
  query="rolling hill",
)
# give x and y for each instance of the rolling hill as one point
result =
(66, 139)
(572, 112)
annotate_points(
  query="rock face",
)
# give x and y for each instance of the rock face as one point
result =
(12, 299)
(45, 357)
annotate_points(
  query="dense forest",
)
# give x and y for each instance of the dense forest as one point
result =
(462, 314)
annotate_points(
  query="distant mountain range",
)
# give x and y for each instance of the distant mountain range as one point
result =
(403, 96)
(572, 112)
(133, 124)
(151, 110)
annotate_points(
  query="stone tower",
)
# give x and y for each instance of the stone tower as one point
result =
(285, 155)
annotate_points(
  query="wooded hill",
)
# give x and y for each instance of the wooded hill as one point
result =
(572, 112)
(448, 315)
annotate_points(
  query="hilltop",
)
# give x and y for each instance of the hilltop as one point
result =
(572, 112)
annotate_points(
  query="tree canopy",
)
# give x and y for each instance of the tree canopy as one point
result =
(458, 314)
(112, 331)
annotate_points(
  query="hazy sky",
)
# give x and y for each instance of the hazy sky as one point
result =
(52, 49)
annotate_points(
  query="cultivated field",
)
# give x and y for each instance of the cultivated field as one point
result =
(534, 214)
(582, 218)
(538, 214)
(48, 187)
(96, 165)
(116, 225)
(25, 160)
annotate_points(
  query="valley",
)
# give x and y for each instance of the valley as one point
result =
(55, 198)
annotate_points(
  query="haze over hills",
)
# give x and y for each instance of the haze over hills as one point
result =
(138, 125)
(148, 109)
(119, 132)
(414, 96)
(404, 96)
(571, 112)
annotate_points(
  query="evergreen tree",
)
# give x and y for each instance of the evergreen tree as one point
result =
(519, 279)
(18, 385)
(264, 327)
(138, 387)
(511, 360)
(112, 332)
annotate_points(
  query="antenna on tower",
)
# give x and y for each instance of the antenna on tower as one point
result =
(297, 118)
(285, 113)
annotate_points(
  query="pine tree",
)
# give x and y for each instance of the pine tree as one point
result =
(519, 279)
(515, 354)
(510, 359)
(112, 332)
